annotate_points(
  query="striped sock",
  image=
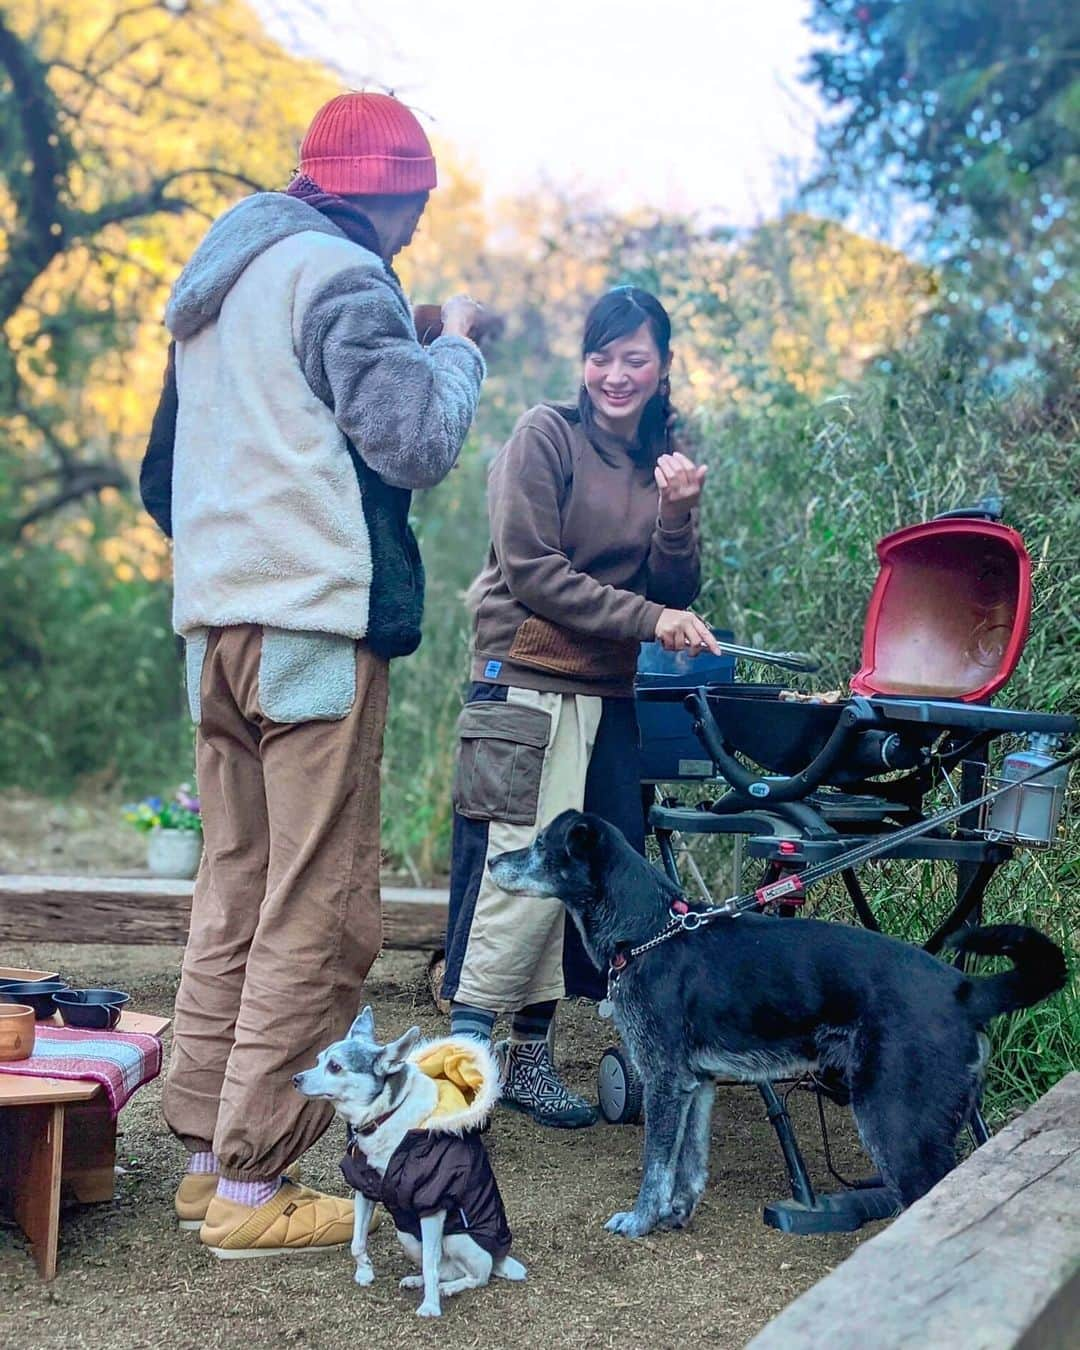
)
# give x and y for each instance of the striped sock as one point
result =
(532, 1023)
(466, 1020)
(204, 1162)
(251, 1193)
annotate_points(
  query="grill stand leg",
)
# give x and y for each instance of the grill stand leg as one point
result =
(859, 901)
(977, 1126)
(802, 1191)
(971, 883)
(807, 1212)
(667, 856)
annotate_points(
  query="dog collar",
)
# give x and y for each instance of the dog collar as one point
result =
(682, 919)
(370, 1127)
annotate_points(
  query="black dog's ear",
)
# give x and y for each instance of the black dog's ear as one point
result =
(582, 838)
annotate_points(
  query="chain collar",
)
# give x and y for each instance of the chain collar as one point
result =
(682, 919)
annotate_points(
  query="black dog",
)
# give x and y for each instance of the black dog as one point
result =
(756, 997)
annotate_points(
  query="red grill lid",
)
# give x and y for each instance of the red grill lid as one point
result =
(948, 615)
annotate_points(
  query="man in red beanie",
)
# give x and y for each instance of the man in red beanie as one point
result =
(298, 413)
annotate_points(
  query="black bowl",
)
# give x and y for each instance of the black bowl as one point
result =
(94, 1009)
(38, 993)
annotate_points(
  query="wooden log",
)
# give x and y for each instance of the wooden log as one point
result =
(126, 910)
(989, 1260)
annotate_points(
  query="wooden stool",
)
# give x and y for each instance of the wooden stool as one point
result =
(58, 1132)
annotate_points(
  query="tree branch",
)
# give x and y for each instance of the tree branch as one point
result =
(80, 224)
(62, 452)
(84, 480)
(38, 235)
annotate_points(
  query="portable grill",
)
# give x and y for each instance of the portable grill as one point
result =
(803, 781)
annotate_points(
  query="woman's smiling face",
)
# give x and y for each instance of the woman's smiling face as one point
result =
(620, 379)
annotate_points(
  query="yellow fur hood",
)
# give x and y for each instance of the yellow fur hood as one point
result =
(467, 1077)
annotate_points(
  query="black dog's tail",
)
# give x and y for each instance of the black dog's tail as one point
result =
(1039, 969)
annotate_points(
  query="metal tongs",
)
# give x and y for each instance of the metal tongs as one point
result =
(800, 661)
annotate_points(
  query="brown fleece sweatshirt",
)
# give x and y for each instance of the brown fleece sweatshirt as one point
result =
(579, 567)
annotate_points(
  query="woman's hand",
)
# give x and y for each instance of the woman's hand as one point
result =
(677, 630)
(679, 480)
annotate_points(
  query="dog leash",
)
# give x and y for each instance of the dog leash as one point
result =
(683, 919)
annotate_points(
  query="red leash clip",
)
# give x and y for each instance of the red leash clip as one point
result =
(790, 889)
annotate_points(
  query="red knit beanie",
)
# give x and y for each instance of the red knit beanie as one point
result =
(367, 143)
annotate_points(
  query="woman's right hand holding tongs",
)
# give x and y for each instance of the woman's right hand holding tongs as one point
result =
(678, 630)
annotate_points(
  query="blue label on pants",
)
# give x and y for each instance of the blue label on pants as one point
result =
(492, 669)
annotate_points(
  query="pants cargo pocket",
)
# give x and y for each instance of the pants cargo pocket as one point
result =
(500, 762)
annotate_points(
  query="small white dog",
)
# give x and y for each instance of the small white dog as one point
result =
(413, 1110)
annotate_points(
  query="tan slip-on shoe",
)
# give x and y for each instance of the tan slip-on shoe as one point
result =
(195, 1192)
(294, 1221)
(193, 1195)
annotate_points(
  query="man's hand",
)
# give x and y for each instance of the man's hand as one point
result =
(679, 480)
(459, 316)
(677, 630)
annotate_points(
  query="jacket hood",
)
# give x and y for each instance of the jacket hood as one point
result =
(467, 1077)
(232, 242)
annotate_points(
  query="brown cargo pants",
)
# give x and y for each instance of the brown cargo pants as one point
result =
(286, 917)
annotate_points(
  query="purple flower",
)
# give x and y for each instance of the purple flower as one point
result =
(187, 801)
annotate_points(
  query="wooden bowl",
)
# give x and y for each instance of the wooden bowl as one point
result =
(16, 1031)
(428, 320)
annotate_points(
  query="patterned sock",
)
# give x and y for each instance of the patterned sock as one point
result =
(252, 1193)
(202, 1162)
(468, 1021)
(532, 1023)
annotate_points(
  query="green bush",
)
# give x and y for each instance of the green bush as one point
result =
(89, 676)
(795, 506)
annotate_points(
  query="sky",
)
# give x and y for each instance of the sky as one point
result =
(684, 105)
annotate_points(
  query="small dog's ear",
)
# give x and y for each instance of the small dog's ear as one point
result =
(581, 838)
(393, 1055)
(364, 1026)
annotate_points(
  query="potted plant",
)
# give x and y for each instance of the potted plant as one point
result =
(174, 832)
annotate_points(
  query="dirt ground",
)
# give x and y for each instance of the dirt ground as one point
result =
(129, 1279)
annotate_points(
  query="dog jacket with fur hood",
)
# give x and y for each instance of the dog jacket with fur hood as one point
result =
(439, 1166)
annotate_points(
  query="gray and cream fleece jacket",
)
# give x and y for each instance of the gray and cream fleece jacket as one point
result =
(291, 343)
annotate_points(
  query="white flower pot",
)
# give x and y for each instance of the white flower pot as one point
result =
(174, 853)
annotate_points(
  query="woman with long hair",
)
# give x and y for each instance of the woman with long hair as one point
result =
(594, 550)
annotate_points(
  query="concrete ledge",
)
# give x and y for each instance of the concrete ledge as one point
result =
(989, 1260)
(125, 910)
